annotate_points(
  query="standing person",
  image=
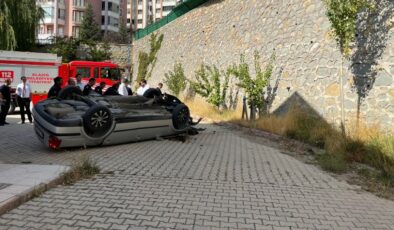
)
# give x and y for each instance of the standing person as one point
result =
(79, 81)
(113, 90)
(5, 101)
(159, 87)
(143, 87)
(88, 87)
(55, 89)
(123, 88)
(23, 93)
(99, 88)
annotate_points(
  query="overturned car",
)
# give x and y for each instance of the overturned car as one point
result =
(73, 120)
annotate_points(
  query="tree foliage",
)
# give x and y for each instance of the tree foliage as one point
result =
(7, 35)
(208, 85)
(343, 17)
(147, 61)
(99, 52)
(66, 48)
(18, 24)
(253, 86)
(176, 80)
(90, 30)
(124, 36)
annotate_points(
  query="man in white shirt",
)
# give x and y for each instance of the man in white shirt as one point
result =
(143, 87)
(23, 92)
(79, 81)
(123, 88)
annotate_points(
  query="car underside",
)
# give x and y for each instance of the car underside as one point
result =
(73, 120)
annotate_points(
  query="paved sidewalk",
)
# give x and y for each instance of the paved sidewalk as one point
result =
(218, 179)
(16, 181)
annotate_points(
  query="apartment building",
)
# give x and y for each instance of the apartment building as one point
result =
(141, 13)
(64, 17)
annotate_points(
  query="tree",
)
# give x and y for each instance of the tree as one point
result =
(123, 33)
(99, 52)
(176, 81)
(147, 61)
(208, 85)
(90, 30)
(253, 87)
(343, 17)
(7, 34)
(66, 48)
(18, 24)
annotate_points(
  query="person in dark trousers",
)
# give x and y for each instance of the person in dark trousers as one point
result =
(55, 89)
(23, 93)
(99, 88)
(88, 87)
(113, 90)
(5, 101)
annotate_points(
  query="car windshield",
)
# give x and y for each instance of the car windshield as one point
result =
(111, 73)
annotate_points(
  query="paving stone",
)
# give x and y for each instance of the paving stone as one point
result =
(205, 182)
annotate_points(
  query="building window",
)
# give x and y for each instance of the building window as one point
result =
(75, 31)
(79, 3)
(61, 14)
(49, 30)
(139, 21)
(167, 8)
(128, 20)
(102, 5)
(102, 20)
(77, 16)
(48, 11)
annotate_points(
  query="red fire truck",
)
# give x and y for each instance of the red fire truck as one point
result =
(41, 68)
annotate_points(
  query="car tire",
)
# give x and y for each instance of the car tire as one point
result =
(181, 117)
(97, 121)
(69, 92)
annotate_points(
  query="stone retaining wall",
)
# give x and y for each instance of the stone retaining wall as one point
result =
(298, 32)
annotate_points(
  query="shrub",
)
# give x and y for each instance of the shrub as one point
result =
(381, 154)
(147, 61)
(208, 85)
(253, 86)
(333, 162)
(176, 81)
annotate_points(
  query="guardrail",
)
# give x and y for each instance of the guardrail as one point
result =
(177, 12)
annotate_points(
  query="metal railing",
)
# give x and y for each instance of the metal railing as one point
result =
(177, 12)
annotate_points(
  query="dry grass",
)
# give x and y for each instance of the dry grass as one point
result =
(82, 167)
(361, 143)
(200, 107)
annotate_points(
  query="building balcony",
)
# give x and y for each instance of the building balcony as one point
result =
(110, 14)
(61, 21)
(110, 28)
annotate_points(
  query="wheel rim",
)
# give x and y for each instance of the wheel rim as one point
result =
(99, 119)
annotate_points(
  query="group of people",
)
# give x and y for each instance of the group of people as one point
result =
(23, 93)
(122, 88)
(23, 97)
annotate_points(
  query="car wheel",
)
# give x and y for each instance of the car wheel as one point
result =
(69, 92)
(181, 117)
(97, 121)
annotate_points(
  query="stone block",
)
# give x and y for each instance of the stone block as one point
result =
(333, 90)
(383, 79)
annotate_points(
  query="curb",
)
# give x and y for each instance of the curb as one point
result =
(23, 197)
